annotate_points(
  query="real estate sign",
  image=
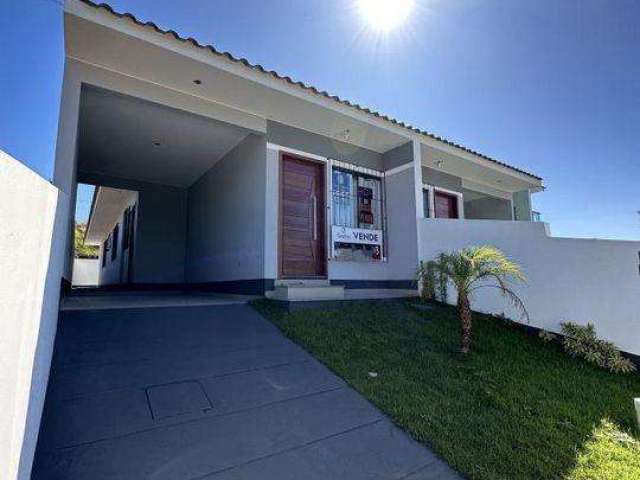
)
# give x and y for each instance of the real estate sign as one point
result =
(356, 235)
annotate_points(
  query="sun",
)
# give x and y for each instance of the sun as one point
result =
(385, 15)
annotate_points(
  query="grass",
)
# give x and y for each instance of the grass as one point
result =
(515, 408)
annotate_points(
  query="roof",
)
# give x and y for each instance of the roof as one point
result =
(299, 84)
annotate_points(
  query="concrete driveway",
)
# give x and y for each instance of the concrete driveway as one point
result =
(211, 392)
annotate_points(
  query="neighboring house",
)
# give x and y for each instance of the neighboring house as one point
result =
(250, 182)
(112, 228)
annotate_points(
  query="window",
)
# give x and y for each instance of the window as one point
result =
(445, 205)
(357, 222)
(114, 242)
(127, 227)
(426, 203)
(106, 247)
(441, 203)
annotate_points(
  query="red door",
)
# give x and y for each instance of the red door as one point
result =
(446, 205)
(302, 220)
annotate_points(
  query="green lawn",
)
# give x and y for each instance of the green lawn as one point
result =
(516, 408)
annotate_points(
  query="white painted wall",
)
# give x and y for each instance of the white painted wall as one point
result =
(86, 272)
(226, 225)
(577, 280)
(33, 220)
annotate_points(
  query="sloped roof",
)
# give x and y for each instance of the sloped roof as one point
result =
(296, 83)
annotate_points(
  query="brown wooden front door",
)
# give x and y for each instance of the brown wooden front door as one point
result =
(446, 205)
(302, 218)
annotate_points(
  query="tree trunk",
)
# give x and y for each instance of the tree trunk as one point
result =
(464, 311)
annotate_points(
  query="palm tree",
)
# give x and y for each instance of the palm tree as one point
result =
(473, 268)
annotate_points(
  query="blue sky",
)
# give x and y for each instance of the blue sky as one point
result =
(551, 87)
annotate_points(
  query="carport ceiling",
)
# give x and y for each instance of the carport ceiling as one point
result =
(126, 137)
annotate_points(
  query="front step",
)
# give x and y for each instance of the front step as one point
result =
(302, 282)
(302, 290)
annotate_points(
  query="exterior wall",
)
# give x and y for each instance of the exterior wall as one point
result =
(86, 272)
(160, 246)
(302, 140)
(401, 229)
(111, 273)
(32, 257)
(226, 217)
(522, 205)
(401, 241)
(575, 280)
(488, 208)
(396, 157)
(440, 179)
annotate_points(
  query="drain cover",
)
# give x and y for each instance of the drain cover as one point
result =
(180, 398)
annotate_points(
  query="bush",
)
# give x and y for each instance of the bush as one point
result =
(434, 281)
(581, 341)
(547, 337)
(427, 276)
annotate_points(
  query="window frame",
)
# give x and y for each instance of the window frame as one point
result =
(367, 173)
(431, 191)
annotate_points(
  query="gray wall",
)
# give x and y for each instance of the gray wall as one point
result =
(398, 156)
(112, 272)
(488, 208)
(522, 205)
(226, 210)
(161, 235)
(441, 179)
(161, 226)
(320, 145)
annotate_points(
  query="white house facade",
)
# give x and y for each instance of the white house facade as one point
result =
(215, 174)
(241, 180)
(245, 179)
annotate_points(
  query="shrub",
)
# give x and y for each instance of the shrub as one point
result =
(547, 337)
(581, 341)
(434, 281)
(427, 276)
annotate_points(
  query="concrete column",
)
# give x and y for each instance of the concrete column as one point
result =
(64, 171)
(417, 184)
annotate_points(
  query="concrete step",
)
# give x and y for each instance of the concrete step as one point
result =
(302, 293)
(302, 282)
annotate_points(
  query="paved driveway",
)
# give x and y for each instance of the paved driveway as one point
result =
(211, 392)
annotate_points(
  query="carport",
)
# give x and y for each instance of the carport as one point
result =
(177, 182)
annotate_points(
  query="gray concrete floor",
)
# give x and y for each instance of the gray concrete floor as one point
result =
(162, 299)
(211, 392)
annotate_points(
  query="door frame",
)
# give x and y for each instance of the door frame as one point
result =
(324, 165)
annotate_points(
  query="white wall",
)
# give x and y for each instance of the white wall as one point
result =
(226, 225)
(33, 220)
(85, 272)
(577, 280)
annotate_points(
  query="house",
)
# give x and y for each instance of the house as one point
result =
(215, 174)
(235, 179)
